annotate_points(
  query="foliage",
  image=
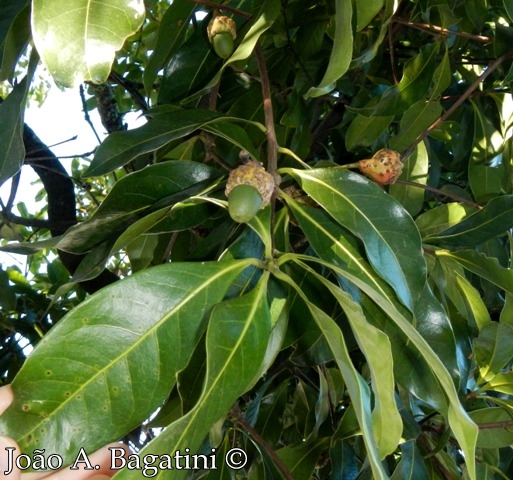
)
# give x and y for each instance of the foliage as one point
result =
(349, 330)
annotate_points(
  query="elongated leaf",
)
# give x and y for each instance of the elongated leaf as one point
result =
(493, 348)
(236, 343)
(172, 30)
(463, 428)
(12, 149)
(415, 170)
(263, 20)
(411, 466)
(14, 35)
(77, 40)
(486, 267)
(376, 347)
(494, 219)
(365, 11)
(342, 50)
(301, 460)
(333, 244)
(356, 386)
(441, 218)
(416, 80)
(119, 148)
(364, 131)
(494, 436)
(81, 389)
(391, 239)
(135, 196)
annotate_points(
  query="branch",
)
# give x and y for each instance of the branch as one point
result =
(475, 84)
(272, 143)
(435, 29)
(258, 438)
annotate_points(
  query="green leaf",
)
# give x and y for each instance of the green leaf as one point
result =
(172, 30)
(376, 347)
(135, 196)
(495, 432)
(189, 68)
(263, 20)
(366, 10)
(364, 131)
(391, 239)
(14, 35)
(417, 75)
(441, 218)
(492, 220)
(411, 465)
(342, 50)
(414, 122)
(493, 348)
(12, 149)
(486, 267)
(81, 389)
(301, 460)
(415, 169)
(120, 148)
(236, 343)
(77, 40)
(356, 386)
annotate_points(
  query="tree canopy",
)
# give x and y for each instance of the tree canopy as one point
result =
(304, 253)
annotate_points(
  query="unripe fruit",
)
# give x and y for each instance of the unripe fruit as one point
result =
(384, 167)
(259, 185)
(221, 33)
(223, 44)
(244, 203)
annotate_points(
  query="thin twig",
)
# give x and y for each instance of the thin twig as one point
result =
(475, 84)
(86, 114)
(435, 29)
(272, 143)
(258, 438)
(220, 6)
(440, 192)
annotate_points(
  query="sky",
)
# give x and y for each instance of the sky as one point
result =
(59, 118)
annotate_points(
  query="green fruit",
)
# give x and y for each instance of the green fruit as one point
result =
(223, 44)
(244, 202)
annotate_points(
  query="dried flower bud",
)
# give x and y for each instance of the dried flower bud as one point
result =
(384, 167)
(221, 32)
(244, 203)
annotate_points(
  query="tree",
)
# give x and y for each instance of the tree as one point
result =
(356, 324)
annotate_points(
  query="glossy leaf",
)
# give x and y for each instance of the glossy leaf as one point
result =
(331, 242)
(486, 267)
(78, 381)
(365, 11)
(341, 52)
(493, 348)
(494, 432)
(356, 386)
(415, 170)
(391, 240)
(263, 20)
(172, 30)
(77, 40)
(120, 148)
(492, 220)
(14, 35)
(376, 347)
(411, 466)
(135, 196)
(441, 218)
(364, 131)
(236, 343)
(417, 75)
